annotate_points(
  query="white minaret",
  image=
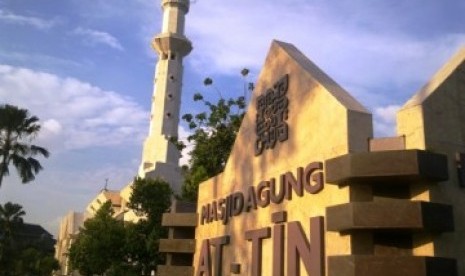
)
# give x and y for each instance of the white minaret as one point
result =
(160, 158)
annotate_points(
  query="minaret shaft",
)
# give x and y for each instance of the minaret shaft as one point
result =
(167, 92)
(172, 21)
(160, 158)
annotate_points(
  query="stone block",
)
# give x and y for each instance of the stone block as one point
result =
(399, 166)
(177, 245)
(366, 265)
(179, 219)
(387, 143)
(165, 270)
(390, 215)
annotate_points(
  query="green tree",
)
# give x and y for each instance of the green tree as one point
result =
(144, 193)
(17, 130)
(136, 247)
(11, 218)
(34, 262)
(19, 256)
(99, 246)
(150, 199)
(214, 133)
(108, 246)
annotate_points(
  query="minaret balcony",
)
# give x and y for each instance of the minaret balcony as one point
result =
(182, 4)
(171, 42)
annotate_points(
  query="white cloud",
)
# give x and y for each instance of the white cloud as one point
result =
(92, 134)
(36, 22)
(34, 59)
(387, 114)
(50, 129)
(385, 120)
(98, 37)
(144, 15)
(74, 114)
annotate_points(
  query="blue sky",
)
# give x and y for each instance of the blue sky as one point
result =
(85, 68)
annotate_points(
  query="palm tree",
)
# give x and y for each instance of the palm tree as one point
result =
(10, 219)
(17, 130)
(11, 216)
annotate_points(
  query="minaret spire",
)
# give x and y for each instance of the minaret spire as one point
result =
(160, 158)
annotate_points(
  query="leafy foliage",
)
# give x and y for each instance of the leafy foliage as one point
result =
(17, 130)
(11, 217)
(214, 133)
(10, 220)
(18, 257)
(150, 198)
(107, 245)
(34, 262)
(143, 196)
(99, 244)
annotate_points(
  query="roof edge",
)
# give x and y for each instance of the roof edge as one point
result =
(437, 80)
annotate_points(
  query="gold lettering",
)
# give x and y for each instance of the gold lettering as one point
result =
(263, 194)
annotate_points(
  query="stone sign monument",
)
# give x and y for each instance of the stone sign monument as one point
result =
(307, 190)
(265, 214)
